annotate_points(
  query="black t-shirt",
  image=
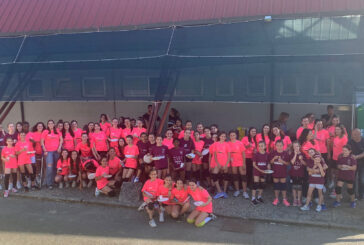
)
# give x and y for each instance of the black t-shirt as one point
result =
(357, 148)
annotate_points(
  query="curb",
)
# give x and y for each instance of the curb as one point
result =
(266, 220)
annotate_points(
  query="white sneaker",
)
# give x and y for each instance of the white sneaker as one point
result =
(152, 223)
(136, 180)
(60, 185)
(331, 185)
(37, 180)
(236, 193)
(245, 195)
(161, 217)
(324, 189)
(10, 186)
(18, 185)
(318, 208)
(97, 192)
(1, 186)
(29, 183)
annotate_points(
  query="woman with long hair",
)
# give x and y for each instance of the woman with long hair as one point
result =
(114, 133)
(264, 136)
(250, 143)
(278, 134)
(75, 168)
(63, 169)
(51, 143)
(99, 142)
(68, 137)
(77, 131)
(104, 122)
(36, 138)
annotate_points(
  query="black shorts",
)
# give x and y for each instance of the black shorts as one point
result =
(347, 181)
(297, 180)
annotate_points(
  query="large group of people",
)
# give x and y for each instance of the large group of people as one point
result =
(187, 161)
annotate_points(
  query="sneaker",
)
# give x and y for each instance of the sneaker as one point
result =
(50, 187)
(353, 204)
(318, 208)
(310, 204)
(275, 202)
(14, 190)
(60, 185)
(73, 184)
(142, 206)
(67, 184)
(336, 204)
(97, 192)
(323, 207)
(161, 217)
(37, 180)
(236, 193)
(331, 185)
(225, 195)
(286, 203)
(6, 193)
(219, 195)
(152, 223)
(254, 202)
(136, 180)
(213, 216)
(260, 199)
(333, 194)
(304, 199)
(89, 185)
(305, 208)
(10, 186)
(295, 203)
(299, 203)
(29, 183)
(18, 185)
(246, 195)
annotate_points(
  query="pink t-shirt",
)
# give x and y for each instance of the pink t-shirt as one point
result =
(78, 135)
(99, 140)
(114, 134)
(132, 151)
(236, 151)
(249, 147)
(338, 145)
(168, 143)
(64, 165)
(68, 142)
(182, 134)
(136, 132)
(36, 137)
(101, 183)
(266, 140)
(51, 140)
(24, 157)
(9, 153)
(199, 195)
(198, 147)
(322, 136)
(286, 142)
(222, 151)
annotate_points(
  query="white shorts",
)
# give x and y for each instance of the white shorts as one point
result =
(317, 186)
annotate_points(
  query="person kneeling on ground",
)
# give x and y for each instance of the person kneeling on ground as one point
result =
(63, 170)
(150, 191)
(103, 184)
(203, 202)
(180, 198)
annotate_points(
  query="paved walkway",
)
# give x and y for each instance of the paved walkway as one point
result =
(342, 217)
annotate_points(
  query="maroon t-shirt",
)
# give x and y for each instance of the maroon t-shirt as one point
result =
(261, 161)
(160, 151)
(177, 156)
(315, 178)
(280, 169)
(348, 175)
(143, 148)
(207, 144)
(187, 146)
(297, 168)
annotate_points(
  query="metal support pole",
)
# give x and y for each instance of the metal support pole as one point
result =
(22, 111)
(163, 120)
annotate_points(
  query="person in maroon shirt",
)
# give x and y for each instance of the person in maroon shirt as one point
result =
(187, 144)
(205, 159)
(160, 150)
(176, 160)
(346, 165)
(297, 173)
(260, 165)
(316, 169)
(279, 160)
(143, 167)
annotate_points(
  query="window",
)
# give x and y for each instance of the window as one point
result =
(225, 87)
(10, 88)
(136, 86)
(64, 88)
(93, 87)
(324, 85)
(35, 88)
(189, 86)
(256, 85)
(289, 86)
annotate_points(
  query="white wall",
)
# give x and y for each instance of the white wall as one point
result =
(226, 115)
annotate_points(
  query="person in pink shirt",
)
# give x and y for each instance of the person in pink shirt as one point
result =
(77, 131)
(138, 130)
(104, 185)
(36, 139)
(131, 153)
(221, 156)
(51, 143)
(68, 137)
(60, 126)
(197, 160)
(278, 134)
(104, 123)
(24, 150)
(8, 156)
(99, 142)
(180, 198)
(199, 129)
(115, 167)
(128, 129)
(304, 124)
(250, 143)
(188, 125)
(89, 129)
(63, 169)
(202, 213)
(168, 140)
(237, 162)
(308, 142)
(114, 133)
(322, 137)
(264, 136)
(311, 121)
(205, 159)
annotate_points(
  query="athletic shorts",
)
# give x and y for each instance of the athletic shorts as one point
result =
(317, 186)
